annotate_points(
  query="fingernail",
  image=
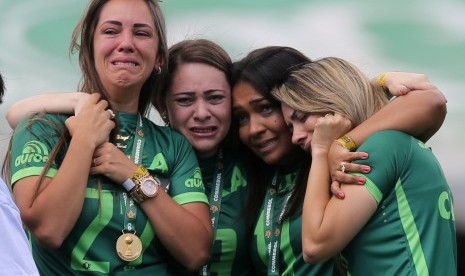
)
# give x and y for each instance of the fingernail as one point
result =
(340, 196)
(361, 180)
(366, 169)
(364, 155)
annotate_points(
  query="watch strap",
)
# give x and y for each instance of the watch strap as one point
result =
(128, 184)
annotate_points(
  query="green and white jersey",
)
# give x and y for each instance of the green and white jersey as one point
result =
(413, 230)
(89, 248)
(291, 260)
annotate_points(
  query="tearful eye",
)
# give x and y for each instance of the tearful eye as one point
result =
(184, 101)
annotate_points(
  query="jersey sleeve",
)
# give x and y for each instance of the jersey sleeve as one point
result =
(33, 141)
(174, 158)
(388, 153)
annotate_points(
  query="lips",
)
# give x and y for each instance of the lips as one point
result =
(121, 63)
(209, 131)
(264, 147)
(124, 63)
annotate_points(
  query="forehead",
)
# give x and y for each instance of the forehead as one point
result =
(131, 11)
(287, 111)
(243, 93)
(199, 75)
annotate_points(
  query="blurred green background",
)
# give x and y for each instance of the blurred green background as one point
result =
(421, 36)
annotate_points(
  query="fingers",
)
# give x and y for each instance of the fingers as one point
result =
(346, 178)
(336, 190)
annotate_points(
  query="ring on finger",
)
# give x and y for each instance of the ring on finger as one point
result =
(112, 114)
(327, 115)
(343, 167)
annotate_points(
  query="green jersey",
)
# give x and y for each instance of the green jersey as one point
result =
(230, 251)
(229, 255)
(290, 260)
(413, 230)
(90, 246)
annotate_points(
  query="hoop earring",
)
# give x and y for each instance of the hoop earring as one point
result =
(157, 70)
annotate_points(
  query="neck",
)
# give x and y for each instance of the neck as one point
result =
(206, 154)
(124, 101)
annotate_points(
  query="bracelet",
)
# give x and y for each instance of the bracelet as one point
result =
(347, 143)
(139, 174)
(381, 80)
(128, 184)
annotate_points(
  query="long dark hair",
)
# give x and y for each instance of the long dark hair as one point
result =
(264, 69)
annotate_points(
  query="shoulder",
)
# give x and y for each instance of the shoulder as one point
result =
(163, 131)
(41, 126)
(388, 138)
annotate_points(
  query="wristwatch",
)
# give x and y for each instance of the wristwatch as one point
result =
(146, 186)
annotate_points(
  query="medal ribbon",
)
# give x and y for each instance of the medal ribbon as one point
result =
(130, 209)
(215, 202)
(272, 229)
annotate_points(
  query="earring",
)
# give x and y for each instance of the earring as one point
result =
(157, 71)
(165, 119)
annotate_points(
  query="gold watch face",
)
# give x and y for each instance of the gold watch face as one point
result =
(149, 187)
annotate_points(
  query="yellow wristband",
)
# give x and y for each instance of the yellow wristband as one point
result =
(381, 80)
(139, 174)
(347, 143)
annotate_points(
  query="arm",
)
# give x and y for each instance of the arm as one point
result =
(323, 215)
(52, 211)
(419, 113)
(63, 103)
(176, 225)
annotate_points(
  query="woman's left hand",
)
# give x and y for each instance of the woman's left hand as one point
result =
(110, 161)
(339, 161)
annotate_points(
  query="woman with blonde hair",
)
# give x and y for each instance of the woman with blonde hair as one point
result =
(402, 216)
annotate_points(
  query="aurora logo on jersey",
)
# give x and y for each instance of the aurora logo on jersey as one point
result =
(33, 151)
(196, 180)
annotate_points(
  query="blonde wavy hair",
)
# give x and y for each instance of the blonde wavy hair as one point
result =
(331, 85)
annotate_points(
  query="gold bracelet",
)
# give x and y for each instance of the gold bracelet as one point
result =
(381, 80)
(139, 174)
(347, 143)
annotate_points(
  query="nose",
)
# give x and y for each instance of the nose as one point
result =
(201, 111)
(255, 126)
(126, 44)
(299, 137)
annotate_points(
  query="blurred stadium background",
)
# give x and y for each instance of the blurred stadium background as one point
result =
(423, 36)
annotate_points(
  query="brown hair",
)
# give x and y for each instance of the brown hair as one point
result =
(83, 39)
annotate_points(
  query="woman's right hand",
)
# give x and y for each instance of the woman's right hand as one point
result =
(93, 122)
(110, 161)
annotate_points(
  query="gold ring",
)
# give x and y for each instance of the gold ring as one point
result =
(112, 114)
(343, 167)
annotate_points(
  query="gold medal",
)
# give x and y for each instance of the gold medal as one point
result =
(128, 247)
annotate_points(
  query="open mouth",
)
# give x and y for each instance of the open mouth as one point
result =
(121, 63)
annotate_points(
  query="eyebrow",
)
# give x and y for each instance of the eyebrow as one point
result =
(136, 25)
(294, 115)
(208, 91)
(252, 103)
(257, 101)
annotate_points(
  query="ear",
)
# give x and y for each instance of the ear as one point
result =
(159, 62)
